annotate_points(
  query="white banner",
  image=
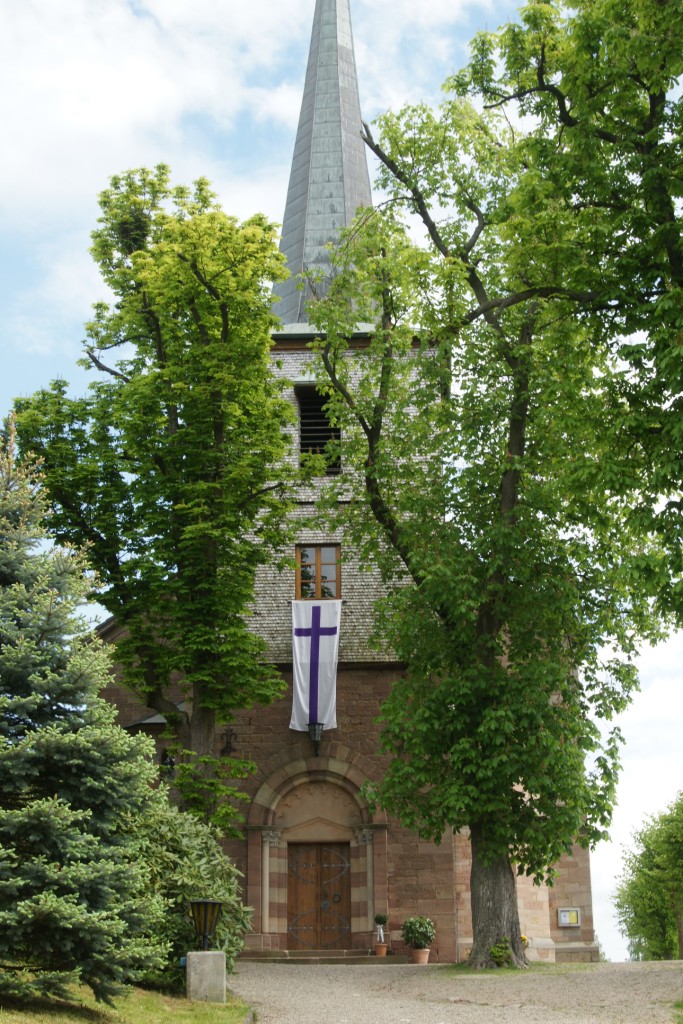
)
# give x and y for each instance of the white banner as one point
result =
(315, 645)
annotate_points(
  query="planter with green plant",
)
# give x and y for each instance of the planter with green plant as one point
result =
(419, 933)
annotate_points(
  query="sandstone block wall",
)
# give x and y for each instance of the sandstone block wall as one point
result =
(573, 889)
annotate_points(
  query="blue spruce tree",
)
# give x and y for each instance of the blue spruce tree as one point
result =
(75, 903)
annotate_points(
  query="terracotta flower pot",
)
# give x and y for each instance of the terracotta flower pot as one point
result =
(419, 956)
(381, 949)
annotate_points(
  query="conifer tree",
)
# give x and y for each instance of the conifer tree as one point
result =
(75, 904)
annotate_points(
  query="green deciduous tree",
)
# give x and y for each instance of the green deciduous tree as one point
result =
(517, 458)
(165, 470)
(75, 896)
(477, 439)
(598, 86)
(649, 897)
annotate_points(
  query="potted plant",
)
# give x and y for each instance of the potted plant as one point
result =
(380, 944)
(419, 933)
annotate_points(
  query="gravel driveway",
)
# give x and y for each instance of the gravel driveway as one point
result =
(403, 994)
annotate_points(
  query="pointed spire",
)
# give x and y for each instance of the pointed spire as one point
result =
(329, 178)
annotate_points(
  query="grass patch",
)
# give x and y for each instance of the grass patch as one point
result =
(535, 967)
(140, 1007)
(678, 1007)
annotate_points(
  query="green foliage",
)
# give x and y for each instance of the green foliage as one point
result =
(166, 469)
(649, 896)
(186, 862)
(75, 896)
(513, 599)
(418, 932)
(511, 452)
(501, 954)
(212, 782)
(598, 85)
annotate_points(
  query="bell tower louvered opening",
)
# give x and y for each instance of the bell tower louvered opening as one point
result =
(315, 430)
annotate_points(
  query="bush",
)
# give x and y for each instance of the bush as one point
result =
(186, 862)
(501, 953)
(418, 932)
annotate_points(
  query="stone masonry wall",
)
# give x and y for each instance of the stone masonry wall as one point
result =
(361, 585)
(360, 588)
(572, 888)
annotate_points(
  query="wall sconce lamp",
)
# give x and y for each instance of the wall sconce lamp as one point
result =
(315, 731)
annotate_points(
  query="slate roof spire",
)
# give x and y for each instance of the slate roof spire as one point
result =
(329, 178)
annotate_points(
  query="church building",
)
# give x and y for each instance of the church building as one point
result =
(318, 865)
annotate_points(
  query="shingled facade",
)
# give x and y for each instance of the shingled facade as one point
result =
(317, 863)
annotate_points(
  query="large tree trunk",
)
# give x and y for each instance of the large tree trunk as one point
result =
(494, 906)
(202, 743)
(202, 729)
(194, 736)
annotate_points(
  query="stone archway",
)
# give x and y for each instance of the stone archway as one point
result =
(298, 808)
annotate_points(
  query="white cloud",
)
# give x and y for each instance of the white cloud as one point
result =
(96, 87)
(280, 103)
(90, 87)
(421, 44)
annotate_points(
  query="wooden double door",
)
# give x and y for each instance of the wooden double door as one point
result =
(319, 895)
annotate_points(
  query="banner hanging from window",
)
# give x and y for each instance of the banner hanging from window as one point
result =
(315, 646)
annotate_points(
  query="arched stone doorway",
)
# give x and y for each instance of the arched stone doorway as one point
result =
(317, 860)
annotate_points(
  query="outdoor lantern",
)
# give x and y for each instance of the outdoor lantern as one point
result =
(205, 914)
(315, 731)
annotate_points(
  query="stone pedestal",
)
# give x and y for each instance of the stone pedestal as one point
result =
(206, 977)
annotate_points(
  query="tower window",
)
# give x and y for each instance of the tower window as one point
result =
(318, 571)
(315, 429)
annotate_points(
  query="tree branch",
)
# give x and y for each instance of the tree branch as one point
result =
(400, 175)
(536, 292)
(476, 284)
(105, 369)
(481, 224)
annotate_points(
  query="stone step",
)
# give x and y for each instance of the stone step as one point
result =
(320, 956)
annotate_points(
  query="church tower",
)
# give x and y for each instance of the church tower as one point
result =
(329, 179)
(316, 856)
(319, 862)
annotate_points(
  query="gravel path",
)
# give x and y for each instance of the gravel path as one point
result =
(403, 994)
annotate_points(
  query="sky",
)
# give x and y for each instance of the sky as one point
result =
(91, 88)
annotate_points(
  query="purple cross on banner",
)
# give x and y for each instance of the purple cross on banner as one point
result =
(315, 642)
(315, 632)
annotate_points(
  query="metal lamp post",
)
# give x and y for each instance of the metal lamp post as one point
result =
(205, 976)
(205, 914)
